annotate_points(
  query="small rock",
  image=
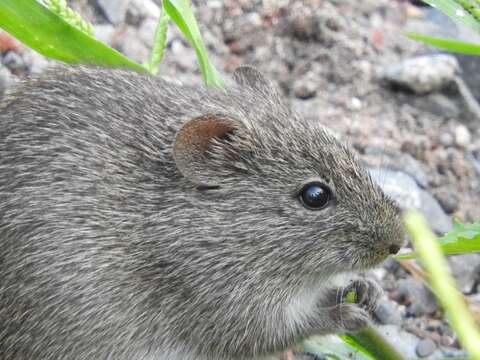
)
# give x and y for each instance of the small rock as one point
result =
(423, 74)
(464, 270)
(14, 61)
(417, 297)
(303, 23)
(403, 188)
(403, 341)
(462, 136)
(139, 10)
(414, 168)
(114, 10)
(387, 314)
(448, 199)
(425, 347)
(354, 104)
(446, 139)
(304, 88)
(104, 32)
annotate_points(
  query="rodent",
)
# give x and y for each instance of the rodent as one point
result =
(144, 219)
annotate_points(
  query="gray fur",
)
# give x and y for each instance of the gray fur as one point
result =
(108, 252)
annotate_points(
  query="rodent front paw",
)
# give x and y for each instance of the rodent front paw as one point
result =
(353, 318)
(367, 293)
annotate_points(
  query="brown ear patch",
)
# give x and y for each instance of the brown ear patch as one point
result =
(193, 141)
(197, 134)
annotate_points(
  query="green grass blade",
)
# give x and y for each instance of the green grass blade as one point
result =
(61, 8)
(182, 14)
(443, 284)
(158, 43)
(452, 45)
(371, 343)
(455, 11)
(333, 349)
(464, 238)
(47, 33)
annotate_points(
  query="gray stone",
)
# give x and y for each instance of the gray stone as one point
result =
(446, 139)
(470, 72)
(386, 313)
(423, 74)
(419, 299)
(14, 61)
(114, 10)
(462, 136)
(438, 104)
(303, 23)
(304, 88)
(464, 268)
(414, 168)
(139, 10)
(448, 199)
(401, 340)
(405, 191)
(104, 32)
(425, 347)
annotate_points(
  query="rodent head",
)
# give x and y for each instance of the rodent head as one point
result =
(287, 192)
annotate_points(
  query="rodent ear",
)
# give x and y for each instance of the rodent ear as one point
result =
(193, 142)
(250, 77)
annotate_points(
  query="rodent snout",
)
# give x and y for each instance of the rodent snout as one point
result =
(393, 249)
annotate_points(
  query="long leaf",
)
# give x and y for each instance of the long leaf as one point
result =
(333, 349)
(455, 11)
(371, 343)
(452, 45)
(47, 33)
(182, 14)
(464, 238)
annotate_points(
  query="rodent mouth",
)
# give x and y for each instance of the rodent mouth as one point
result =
(372, 259)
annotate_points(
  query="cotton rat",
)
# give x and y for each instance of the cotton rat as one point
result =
(143, 219)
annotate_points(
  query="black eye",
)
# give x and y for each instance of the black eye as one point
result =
(315, 196)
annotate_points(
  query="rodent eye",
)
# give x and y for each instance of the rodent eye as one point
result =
(315, 196)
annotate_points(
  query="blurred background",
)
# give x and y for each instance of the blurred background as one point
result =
(410, 111)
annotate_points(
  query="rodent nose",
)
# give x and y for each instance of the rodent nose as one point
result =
(393, 249)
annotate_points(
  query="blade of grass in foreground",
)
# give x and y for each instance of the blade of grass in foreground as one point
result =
(443, 284)
(47, 33)
(452, 45)
(182, 14)
(455, 11)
